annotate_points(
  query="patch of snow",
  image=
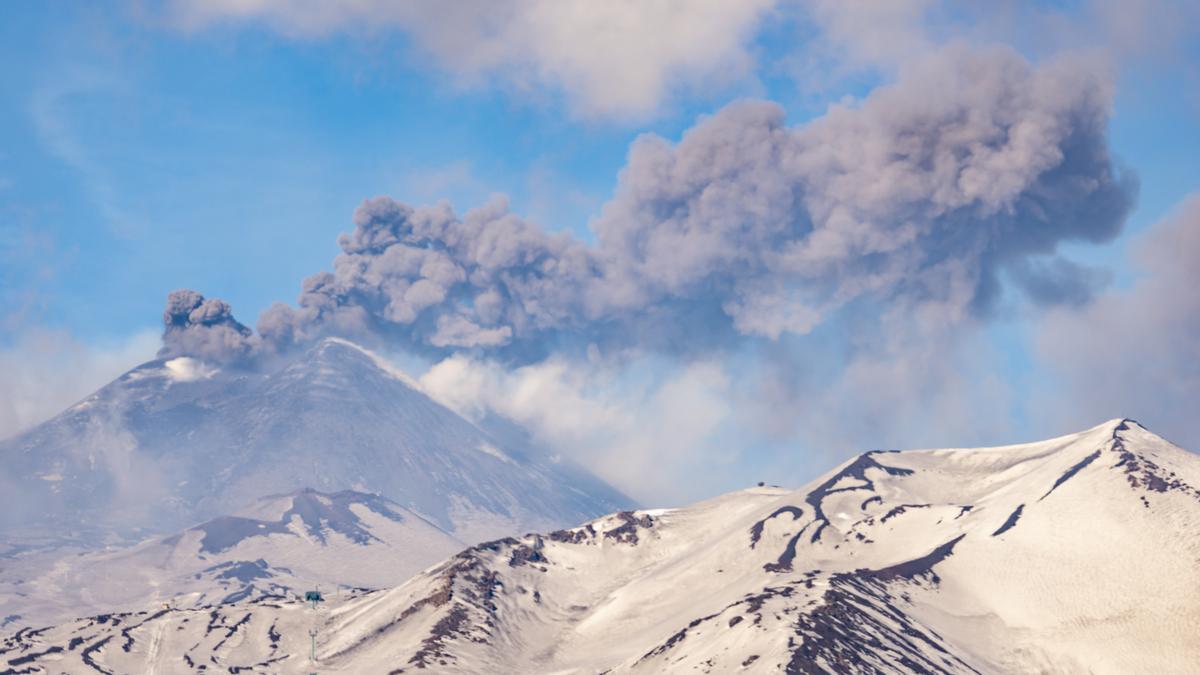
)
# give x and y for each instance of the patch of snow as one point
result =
(489, 449)
(380, 362)
(85, 403)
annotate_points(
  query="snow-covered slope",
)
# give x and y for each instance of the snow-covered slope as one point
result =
(175, 442)
(1076, 554)
(282, 544)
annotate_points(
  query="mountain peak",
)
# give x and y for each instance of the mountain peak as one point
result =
(199, 442)
(340, 353)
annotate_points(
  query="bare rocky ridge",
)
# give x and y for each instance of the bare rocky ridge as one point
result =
(894, 562)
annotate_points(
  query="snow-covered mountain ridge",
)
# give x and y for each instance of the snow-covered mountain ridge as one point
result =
(280, 545)
(1075, 554)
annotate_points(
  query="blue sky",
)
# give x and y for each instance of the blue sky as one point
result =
(140, 156)
(141, 153)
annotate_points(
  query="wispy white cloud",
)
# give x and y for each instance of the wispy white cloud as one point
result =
(623, 58)
(54, 109)
(1133, 352)
(44, 370)
(628, 59)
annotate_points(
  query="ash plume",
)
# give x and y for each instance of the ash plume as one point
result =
(973, 163)
(203, 327)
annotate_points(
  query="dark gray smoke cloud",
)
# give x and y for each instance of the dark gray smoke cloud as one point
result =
(974, 162)
(196, 326)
